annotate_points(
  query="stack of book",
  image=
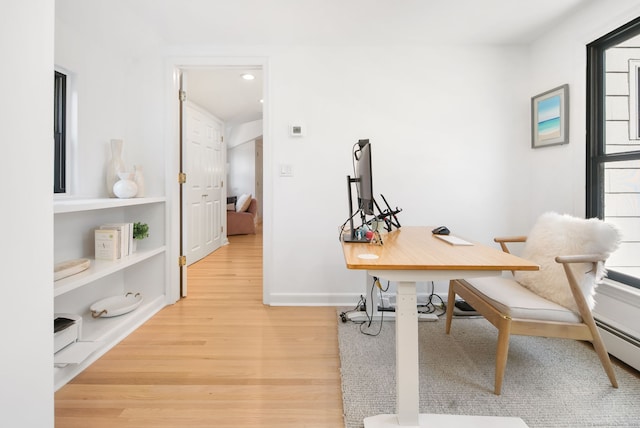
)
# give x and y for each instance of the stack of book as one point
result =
(114, 241)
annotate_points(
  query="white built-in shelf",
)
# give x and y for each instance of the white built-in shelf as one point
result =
(103, 329)
(83, 204)
(100, 269)
(104, 333)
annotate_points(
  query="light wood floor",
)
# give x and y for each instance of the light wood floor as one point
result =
(218, 358)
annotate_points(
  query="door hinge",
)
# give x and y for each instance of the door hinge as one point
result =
(222, 138)
(182, 178)
(182, 95)
(182, 261)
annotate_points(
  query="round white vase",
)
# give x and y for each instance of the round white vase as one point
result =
(114, 166)
(125, 187)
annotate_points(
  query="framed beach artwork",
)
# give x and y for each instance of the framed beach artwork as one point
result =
(550, 117)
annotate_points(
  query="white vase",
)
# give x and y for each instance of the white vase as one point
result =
(138, 177)
(114, 166)
(125, 187)
(134, 245)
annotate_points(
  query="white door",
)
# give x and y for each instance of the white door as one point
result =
(204, 167)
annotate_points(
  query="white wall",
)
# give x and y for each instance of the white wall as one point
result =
(243, 132)
(26, 108)
(449, 134)
(117, 97)
(242, 169)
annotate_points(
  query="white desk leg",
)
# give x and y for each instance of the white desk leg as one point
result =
(407, 375)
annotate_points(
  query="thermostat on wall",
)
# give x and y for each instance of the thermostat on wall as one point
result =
(296, 130)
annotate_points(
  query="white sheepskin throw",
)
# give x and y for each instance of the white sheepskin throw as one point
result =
(563, 235)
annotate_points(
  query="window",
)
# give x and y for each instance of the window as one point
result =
(59, 132)
(613, 143)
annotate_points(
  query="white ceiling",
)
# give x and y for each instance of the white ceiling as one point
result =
(225, 94)
(260, 22)
(137, 26)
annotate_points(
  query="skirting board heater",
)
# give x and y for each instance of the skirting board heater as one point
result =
(620, 344)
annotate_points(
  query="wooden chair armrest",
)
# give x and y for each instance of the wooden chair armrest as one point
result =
(574, 284)
(582, 258)
(510, 239)
(506, 239)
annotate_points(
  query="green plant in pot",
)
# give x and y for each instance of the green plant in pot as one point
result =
(140, 231)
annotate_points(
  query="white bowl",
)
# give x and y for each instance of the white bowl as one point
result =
(116, 305)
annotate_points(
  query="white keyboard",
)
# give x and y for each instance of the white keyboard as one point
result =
(453, 240)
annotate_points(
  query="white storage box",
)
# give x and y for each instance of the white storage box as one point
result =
(69, 334)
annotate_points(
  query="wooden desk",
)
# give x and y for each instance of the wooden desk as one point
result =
(413, 254)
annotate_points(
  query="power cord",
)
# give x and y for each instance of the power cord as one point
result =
(376, 283)
(363, 302)
(430, 307)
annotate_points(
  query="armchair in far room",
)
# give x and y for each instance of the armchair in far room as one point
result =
(241, 215)
(555, 301)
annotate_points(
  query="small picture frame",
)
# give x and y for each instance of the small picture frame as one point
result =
(550, 118)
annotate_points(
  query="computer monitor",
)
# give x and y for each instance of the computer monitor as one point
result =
(364, 178)
(364, 189)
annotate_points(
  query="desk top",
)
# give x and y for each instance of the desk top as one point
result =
(415, 248)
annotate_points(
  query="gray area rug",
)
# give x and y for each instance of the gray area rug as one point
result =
(548, 382)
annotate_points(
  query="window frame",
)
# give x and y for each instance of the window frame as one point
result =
(597, 157)
(60, 133)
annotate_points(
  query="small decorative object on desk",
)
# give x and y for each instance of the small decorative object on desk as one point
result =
(125, 187)
(138, 177)
(115, 165)
(140, 231)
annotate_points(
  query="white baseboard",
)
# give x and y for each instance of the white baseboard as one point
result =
(330, 299)
(314, 299)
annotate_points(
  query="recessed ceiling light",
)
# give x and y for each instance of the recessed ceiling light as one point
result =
(248, 76)
(262, 101)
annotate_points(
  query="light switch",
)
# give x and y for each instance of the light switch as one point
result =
(286, 170)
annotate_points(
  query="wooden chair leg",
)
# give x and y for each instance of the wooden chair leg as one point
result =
(451, 300)
(601, 350)
(502, 351)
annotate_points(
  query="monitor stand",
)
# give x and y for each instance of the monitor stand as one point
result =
(351, 235)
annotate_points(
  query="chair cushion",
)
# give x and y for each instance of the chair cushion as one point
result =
(563, 235)
(516, 301)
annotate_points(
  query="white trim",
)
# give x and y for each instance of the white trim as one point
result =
(335, 299)
(174, 65)
(315, 299)
(621, 292)
(634, 126)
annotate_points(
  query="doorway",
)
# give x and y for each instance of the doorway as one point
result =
(210, 88)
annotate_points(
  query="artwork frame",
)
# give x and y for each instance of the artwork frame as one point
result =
(550, 117)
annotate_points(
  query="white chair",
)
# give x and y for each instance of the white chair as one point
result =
(555, 301)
